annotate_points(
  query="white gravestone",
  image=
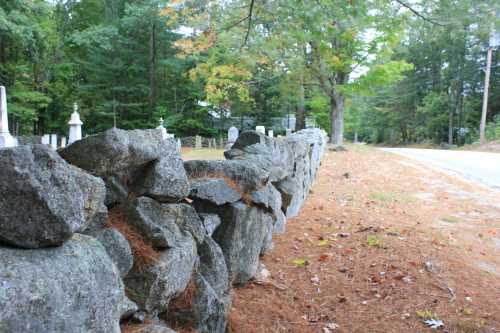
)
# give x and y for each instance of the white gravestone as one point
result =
(179, 145)
(261, 129)
(288, 132)
(53, 141)
(63, 142)
(197, 143)
(270, 133)
(232, 135)
(6, 140)
(164, 133)
(46, 139)
(75, 126)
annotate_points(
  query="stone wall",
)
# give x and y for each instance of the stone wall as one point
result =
(215, 143)
(118, 229)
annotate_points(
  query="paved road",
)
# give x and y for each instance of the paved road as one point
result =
(478, 166)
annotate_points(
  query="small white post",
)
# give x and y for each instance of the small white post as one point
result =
(270, 133)
(261, 129)
(198, 143)
(6, 140)
(163, 130)
(53, 141)
(63, 142)
(46, 139)
(75, 126)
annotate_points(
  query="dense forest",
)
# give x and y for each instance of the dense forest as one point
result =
(380, 70)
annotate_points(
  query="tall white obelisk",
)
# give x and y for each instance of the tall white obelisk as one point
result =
(6, 140)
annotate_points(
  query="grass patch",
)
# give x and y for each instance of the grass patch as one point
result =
(202, 154)
(390, 197)
(450, 219)
(373, 241)
(425, 314)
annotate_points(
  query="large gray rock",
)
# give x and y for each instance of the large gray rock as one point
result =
(245, 174)
(44, 199)
(210, 222)
(74, 288)
(240, 235)
(291, 196)
(269, 198)
(208, 308)
(213, 266)
(267, 243)
(161, 224)
(165, 180)
(214, 190)
(138, 160)
(152, 287)
(117, 247)
(114, 151)
(153, 328)
(264, 152)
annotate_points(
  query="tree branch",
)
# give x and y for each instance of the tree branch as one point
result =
(250, 11)
(425, 18)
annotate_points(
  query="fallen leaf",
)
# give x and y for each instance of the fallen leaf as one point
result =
(323, 257)
(299, 262)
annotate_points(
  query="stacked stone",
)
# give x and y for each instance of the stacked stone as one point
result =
(176, 235)
(52, 278)
(146, 186)
(262, 182)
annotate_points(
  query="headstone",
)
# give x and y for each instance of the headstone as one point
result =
(214, 143)
(288, 132)
(163, 130)
(261, 129)
(53, 141)
(63, 142)
(197, 143)
(46, 139)
(179, 145)
(232, 135)
(6, 140)
(270, 133)
(75, 126)
(209, 143)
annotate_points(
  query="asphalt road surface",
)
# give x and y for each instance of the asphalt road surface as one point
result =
(477, 166)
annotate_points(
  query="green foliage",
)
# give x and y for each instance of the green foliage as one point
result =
(493, 129)
(395, 77)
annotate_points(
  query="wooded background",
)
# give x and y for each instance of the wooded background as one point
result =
(389, 71)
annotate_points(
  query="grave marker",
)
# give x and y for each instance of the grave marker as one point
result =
(75, 126)
(6, 140)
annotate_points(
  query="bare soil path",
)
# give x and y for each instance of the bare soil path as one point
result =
(382, 243)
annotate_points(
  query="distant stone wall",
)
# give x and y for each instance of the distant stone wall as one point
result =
(215, 143)
(176, 236)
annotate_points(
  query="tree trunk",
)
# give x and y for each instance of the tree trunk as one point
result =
(152, 67)
(337, 119)
(482, 126)
(300, 116)
(450, 127)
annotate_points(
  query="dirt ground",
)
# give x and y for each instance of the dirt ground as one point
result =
(381, 244)
(492, 147)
